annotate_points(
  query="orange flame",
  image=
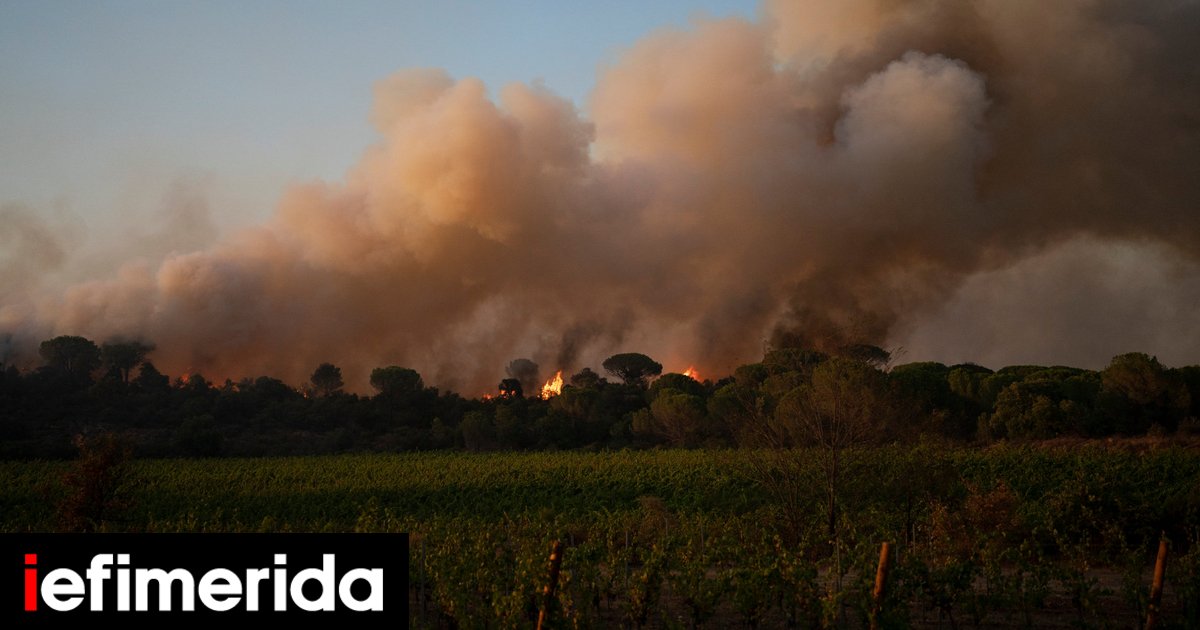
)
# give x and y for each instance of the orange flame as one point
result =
(553, 387)
(692, 373)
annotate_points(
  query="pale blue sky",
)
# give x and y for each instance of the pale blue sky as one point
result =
(104, 105)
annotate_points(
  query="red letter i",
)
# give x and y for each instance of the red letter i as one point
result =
(31, 595)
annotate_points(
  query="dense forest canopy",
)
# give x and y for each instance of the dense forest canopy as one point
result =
(792, 397)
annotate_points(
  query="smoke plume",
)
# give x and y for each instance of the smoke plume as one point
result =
(841, 171)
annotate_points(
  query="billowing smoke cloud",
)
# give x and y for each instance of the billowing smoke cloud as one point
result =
(29, 248)
(830, 175)
(1078, 304)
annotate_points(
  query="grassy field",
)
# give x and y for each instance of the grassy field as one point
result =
(1003, 536)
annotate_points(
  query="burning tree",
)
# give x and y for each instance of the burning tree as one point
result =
(553, 387)
(511, 388)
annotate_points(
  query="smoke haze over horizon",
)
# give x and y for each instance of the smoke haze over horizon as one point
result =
(998, 182)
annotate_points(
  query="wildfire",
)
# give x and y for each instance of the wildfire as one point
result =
(692, 373)
(553, 387)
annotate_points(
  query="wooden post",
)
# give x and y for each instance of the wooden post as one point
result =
(880, 584)
(422, 594)
(1156, 587)
(555, 564)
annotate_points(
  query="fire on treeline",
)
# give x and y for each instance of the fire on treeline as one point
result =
(114, 387)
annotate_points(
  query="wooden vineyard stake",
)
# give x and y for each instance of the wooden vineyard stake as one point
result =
(1156, 587)
(880, 584)
(421, 593)
(555, 564)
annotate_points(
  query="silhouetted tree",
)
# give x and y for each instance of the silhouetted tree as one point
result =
(395, 381)
(1033, 409)
(1189, 375)
(75, 357)
(477, 431)
(327, 379)
(873, 356)
(124, 356)
(676, 382)
(511, 427)
(747, 407)
(585, 378)
(844, 404)
(632, 368)
(1137, 392)
(527, 373)
(792, 360)
(270, 389)
(925, 387)
(966, 383)
(150, 379)
(677, 417)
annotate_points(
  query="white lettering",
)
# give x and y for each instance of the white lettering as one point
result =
(281, 583)
(218, 590)
(374, 600)
(253, 577)
(324, 576)
(53, 587)
(218, 584)
(122, 582)
(143, 577)
(96, 575)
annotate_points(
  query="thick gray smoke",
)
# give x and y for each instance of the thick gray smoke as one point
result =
(840, 172)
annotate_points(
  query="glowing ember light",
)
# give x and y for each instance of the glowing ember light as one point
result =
(692, 373)
(553, 387)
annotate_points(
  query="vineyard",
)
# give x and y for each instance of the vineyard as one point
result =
(1001, 537)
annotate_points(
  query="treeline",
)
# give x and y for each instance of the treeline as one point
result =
(792, 397)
